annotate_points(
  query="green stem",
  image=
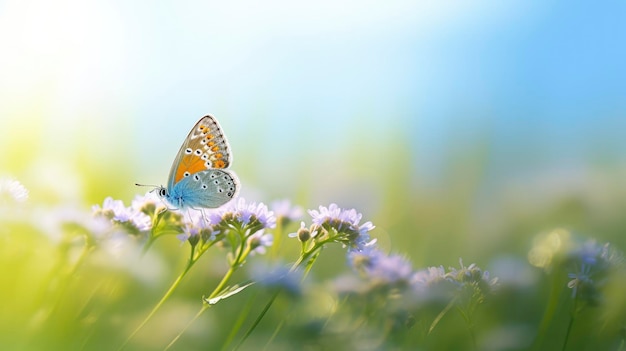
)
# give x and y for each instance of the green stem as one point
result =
(553, 302)
(307, 253)
(242, 254)
(205, 306)
(273, 336)
(257, 321)
(224, 281)
(440, 315)
(571, 322)
(192, 260)
(278, 235)
(240, 320)
(152, 237)
(304, 256)
(470, 325)
(64, 284)
(148, 245)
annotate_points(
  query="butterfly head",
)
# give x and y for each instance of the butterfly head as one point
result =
(161, 191)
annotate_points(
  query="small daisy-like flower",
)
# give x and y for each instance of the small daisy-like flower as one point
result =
(363, 240)
(150, 203)
(381, 269)
(284, 210)
(472, 275)
(56, 221)
(196, 227)
(335, 215)
(345, 222)
(425, 278)
(593, 254)
(13, 189)
(593, 263)
(259, 242)
(251, 215)
(118, 213)
(432, 285)
(473, 285)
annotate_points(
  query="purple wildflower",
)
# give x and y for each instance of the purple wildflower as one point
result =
(425, 278)
(149, 203)
(259, 242)
(118, 213)
(283, 209)
(345, 221)
(251, 215)
(381, 268)
(196, 226)
(472, 276)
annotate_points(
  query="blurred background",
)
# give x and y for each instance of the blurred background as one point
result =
(461, 129)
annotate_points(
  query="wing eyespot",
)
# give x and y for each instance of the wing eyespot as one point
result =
(186, 174)
(196, 177)
(188, 151)
(198, 152)
(204, 186)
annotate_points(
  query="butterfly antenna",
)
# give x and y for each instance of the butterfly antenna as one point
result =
(150, 185)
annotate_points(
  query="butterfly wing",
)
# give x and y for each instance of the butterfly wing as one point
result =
(204, 148)
(207, 189)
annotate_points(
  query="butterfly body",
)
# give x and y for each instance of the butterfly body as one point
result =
(199, 178)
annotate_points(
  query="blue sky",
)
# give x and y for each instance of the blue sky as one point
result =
(540, 79)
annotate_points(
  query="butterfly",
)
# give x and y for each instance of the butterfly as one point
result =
(199, 177)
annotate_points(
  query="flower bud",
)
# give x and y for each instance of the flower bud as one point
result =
(304, 234)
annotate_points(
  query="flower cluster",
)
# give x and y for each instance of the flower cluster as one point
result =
(242, 215)
(149, 213)
(132, 219)
(590, 265)
(381, 269)
(339, 225)
(587, 264)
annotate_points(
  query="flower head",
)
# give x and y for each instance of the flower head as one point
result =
(129, 217)
(12, 189)
(346, 222)
(251, 215)
(425, 278)
(590, 266)
(259, 242)
(380, 268)
(56, 222)
(150, 203)
(283, 209)
(472, 275)
(196, 228)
